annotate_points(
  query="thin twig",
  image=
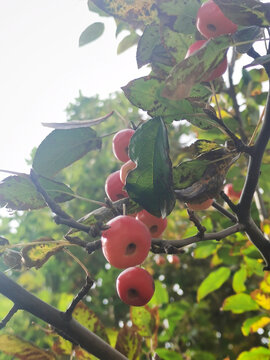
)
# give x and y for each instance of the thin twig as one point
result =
(6, 319)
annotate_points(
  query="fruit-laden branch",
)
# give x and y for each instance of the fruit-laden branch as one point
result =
(69, 327)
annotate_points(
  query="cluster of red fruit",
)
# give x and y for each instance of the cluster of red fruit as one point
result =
(211, 23)
(127, 241)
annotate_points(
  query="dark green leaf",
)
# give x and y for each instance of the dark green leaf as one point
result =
(62, 148)
(148, 41)
(247, 34)
(150, 184)
(91, 33)
(145, 93)
(246, 13)
(182, 14)
(213, 282)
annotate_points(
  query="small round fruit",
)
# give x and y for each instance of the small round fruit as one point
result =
(126, 243)
(200, 206)
(155, 224)
(218, 70)
(120, 144)
(159, 260)
(211, 22)
(114, 187)
(125, 169)
(173, 259)
(135, 286)
(231, 193)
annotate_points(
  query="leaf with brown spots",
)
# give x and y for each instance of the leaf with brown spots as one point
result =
(195, 68)
(129, 343)
(134, 12)
(37, 253)
(23, 350)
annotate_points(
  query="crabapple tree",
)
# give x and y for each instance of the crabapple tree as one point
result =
(143, 233)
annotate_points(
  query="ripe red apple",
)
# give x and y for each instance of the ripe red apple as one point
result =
(135, 286)
(120, 144)
(173, 259)
(155, 225)
(126, 243)
(125, 169)
(217, 71)
(114, 187)
(211, 22)
(231, 193)
(159, 260)
(200, 206)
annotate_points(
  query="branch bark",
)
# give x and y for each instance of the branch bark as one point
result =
(71, 328)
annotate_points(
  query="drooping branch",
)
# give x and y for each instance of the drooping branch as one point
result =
(70, 328)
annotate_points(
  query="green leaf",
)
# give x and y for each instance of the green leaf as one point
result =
(166, 354)
(188, 172)
(205, 249)
(150, 183)
(213, 282)
(182, 14)
(19, 193)
(160, 296)
(127, 42)
(20, 349)
(147, 43)
(62, 148)
(145, 93)
(251, 325)
(239, 303)
(91, 33)
(195, 68)
(246, 13)
(239, 279)
(144, 319)
(258, 353)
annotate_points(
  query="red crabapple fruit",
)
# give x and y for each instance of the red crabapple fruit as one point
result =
(155, 224)
(135, 286)
(114, 187)
(120, 144)
(126, 243)
(211, 22)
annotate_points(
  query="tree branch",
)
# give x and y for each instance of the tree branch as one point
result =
(71, 328)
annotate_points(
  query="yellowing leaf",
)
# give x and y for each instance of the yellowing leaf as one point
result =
(239, 303)
(251, 325)
(262, 299)
(129, 343)
(258, 353)
(23, 350)
(37, 253)
(132, 11)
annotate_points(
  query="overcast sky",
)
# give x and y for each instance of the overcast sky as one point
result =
(42, 69)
